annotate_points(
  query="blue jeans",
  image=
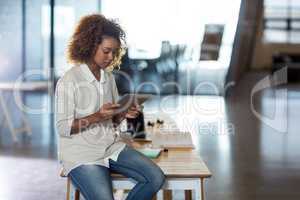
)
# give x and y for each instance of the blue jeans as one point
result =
(94, 181)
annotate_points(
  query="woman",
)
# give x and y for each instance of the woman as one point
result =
(86, 110)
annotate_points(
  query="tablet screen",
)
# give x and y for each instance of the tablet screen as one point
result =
(129, 100)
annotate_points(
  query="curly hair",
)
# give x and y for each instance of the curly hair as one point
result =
(88, 35)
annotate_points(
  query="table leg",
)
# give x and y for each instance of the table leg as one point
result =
(167, 195)
(3, 123)
(202, 188)
(8, 118)
(198, 192)
(188, 194)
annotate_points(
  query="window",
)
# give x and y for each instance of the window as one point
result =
(282, 21)
(176, 21)
(67, 14)
(11, 58)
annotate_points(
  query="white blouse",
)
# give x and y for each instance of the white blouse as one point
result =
(79, 94)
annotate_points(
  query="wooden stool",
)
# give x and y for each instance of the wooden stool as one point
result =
(73, 193)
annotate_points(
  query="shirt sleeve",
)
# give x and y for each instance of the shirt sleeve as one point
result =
(64, 107)
(115, 93)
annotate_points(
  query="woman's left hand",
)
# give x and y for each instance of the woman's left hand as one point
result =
(133, 112)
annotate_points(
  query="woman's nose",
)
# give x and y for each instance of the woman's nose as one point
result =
(110, 56)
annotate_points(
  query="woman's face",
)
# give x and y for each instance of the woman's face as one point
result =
(106, 51)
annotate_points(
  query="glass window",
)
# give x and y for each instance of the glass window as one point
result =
(295, 12)
(295, 3)
(275, 36)
(276, 24)
(37, 42)
(276, 12)
(296, 25)
(295, 36)
(165, 38)
(281, 21)
(67, 14)
(10, 40)
(280, 3)
(175, 21)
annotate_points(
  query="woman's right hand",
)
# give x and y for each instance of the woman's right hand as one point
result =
(107, 111)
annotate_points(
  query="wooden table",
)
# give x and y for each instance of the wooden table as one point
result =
(184, 170)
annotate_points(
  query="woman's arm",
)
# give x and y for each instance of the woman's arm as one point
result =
(132, 112)
(106, 112)
(81, 124)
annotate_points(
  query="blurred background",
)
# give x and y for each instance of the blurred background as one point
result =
(227, 71)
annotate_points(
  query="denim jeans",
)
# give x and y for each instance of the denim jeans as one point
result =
(94, 181)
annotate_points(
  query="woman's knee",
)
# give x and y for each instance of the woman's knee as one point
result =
(156, 179)
(93, 181)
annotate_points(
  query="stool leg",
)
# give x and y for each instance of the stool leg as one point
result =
(72, 193)
(167, 195)
(68, 189)
(77, 195)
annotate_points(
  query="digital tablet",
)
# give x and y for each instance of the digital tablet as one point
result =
(129, 100)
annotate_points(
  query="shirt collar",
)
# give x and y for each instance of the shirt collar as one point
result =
(103, 76)
(89, 76)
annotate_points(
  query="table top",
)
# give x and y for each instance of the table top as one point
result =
(25, 86)
(182, 163)
(172, 140)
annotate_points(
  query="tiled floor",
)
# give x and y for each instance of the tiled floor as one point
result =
(249, 158)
